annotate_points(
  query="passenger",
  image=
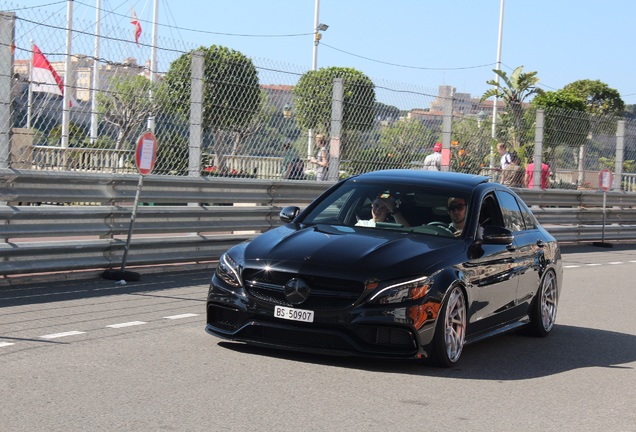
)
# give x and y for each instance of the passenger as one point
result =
(384, 210)
(457, 211)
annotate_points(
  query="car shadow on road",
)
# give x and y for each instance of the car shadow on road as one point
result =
(507, 357)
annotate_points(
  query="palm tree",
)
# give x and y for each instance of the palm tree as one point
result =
(514, 90)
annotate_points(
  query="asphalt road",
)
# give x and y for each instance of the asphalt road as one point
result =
(96, 356)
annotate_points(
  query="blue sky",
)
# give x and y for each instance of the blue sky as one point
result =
(420, 42)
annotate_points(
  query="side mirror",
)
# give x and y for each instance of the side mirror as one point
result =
(496, 235)
(288, 214)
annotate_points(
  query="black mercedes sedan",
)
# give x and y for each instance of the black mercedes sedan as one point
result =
(394, 264)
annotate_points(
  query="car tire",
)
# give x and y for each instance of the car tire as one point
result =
(544, 308)
(450, 331)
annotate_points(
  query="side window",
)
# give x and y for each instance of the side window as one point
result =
(513, 220)
(489, 213)
(528, 216)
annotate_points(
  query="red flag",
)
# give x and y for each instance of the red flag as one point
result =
(136, 26)
(44, 78)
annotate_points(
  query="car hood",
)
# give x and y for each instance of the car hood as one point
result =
(347, 252)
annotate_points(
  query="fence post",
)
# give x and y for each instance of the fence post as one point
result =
(7, 31)
(620, 143)
(196, 114)
(336, 127)
(447, 125)
(538, 149)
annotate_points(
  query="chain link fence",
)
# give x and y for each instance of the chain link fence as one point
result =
(216, 112)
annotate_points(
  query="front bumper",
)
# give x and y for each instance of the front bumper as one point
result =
(369, 331)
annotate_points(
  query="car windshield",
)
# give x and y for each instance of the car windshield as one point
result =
(400, 207)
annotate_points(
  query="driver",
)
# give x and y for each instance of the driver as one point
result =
(456, 208)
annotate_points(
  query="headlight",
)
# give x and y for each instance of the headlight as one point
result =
(402, 291)
(229, 270)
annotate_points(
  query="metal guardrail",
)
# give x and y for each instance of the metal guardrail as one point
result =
(192, 219)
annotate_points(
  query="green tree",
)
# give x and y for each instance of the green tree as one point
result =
(470, 148)
(127, 105)
(566, 125)
(406, 140)
(385, 112)
(600, 99)
(630, 111)
(76, 134)
(514, 90)
(231, 95)
(314, 93)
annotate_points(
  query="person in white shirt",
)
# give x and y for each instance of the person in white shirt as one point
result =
(505, 155)
(433, 162)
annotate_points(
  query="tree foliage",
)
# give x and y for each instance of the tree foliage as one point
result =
(314, 93)
(386, 112)
(630, 111)
(514, 90)
(232, 98)
(76, 135)
(406, 137)
(566, 121)
(559, 99)
(231, 91)
(127, 105)
(599, 98)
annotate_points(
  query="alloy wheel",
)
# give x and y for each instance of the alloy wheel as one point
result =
(549, 301)
(455, 324)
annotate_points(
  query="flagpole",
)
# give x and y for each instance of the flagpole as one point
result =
(30, 91)
(153, 62)
(95, 85)
(66, 112)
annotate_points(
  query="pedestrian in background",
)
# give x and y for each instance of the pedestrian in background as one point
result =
(292, 167)
(321, 160)
(433, 162)
(545, 175)
(505, 155)
(513, 175)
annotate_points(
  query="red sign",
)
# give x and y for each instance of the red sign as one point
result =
(605, 179)
(146, 153)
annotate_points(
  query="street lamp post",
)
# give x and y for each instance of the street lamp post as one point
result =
(494, 106)
(318, 27)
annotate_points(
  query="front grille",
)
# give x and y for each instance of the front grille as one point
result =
(326, 293)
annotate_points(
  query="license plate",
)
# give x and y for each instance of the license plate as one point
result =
(294, 314)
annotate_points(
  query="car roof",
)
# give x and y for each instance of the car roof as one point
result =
(439, 179)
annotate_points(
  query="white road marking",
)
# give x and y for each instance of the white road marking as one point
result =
(127, 324)
(60, 335)
(616, 262)
(592, 265)
(5, 344)
(186, 315)
(571, 266)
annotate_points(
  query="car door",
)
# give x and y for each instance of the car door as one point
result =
(528, 241)
(491, 270)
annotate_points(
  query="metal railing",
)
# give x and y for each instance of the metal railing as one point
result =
(193, 220)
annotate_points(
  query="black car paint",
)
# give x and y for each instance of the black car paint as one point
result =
(489, 274)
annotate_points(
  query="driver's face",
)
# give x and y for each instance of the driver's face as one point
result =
(457, 210)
